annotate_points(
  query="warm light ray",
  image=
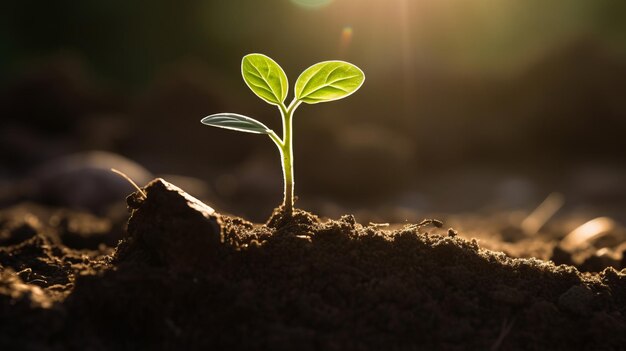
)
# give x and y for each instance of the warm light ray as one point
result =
(408, 61)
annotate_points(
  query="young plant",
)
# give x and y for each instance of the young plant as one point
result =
(324, 81)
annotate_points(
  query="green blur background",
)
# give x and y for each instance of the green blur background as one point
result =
(461, 96)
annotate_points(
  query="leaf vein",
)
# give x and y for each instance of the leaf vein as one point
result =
(306, 84)
(265, 79)
(342, 78)
(262, 87)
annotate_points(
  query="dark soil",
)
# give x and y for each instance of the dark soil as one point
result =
(187, 277)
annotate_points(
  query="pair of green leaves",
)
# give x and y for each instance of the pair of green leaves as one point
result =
(324, 81)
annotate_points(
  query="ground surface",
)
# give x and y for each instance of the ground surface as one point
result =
(185, 275)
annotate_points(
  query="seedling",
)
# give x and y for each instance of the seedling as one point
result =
(324, 81)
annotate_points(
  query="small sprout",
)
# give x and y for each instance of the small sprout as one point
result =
(324, 81)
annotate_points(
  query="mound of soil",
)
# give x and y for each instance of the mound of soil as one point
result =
(187, 277)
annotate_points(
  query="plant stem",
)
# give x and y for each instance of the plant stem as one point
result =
(286, 153)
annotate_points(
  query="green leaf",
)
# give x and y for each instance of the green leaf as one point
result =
(236, 122)
(265, 77)
(328, 81)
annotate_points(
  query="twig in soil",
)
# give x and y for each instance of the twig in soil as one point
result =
(41, 281)
(429, 221)
(542, 214)
(25, 271)
(175, 329)
(504, 331)
(580, 238)
(435, 222)
(121, 174)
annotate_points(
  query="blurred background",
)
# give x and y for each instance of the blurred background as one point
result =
(473, 110)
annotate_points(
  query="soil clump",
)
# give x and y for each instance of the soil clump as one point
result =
(188, 277)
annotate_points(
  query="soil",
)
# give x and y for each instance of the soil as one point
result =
(187, 277)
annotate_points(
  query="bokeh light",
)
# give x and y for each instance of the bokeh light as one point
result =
(312, 3)
(345, 41)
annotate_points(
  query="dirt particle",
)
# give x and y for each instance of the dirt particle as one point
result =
(452, 233)
(173, 229)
